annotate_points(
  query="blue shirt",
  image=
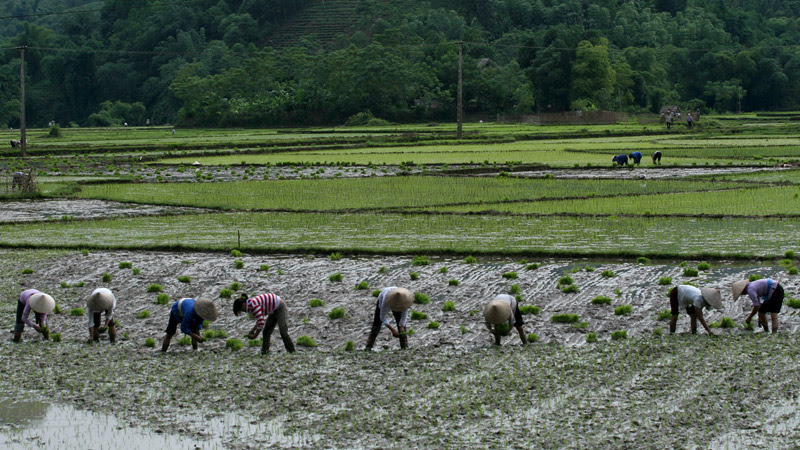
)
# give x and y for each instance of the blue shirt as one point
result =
(637, 156)
(621, 159)
(183, 312)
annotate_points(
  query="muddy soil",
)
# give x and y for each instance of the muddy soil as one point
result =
(32, 211)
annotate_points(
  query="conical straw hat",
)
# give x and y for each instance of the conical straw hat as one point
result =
(206, 310)
(399, 299)
(42, 303)
(100, 301)
(738, 288)
(713, 297)
(497, 311)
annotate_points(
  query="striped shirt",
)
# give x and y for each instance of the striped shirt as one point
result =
(261, 306)
(23, 298)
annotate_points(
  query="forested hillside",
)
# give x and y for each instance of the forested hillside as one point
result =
(295, 62)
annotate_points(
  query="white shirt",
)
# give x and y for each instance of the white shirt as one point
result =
(109, 312)
(512, 302)
(384, 308)
(690, 295)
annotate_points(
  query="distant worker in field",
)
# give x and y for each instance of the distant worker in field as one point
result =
(190, 314)
(621, 160)
(693, 300)
(101, 301)
(397, 300)
(766, 295)
(669, 120)
(41, 304)
(656, 157)
(636, 157)
(500, 315)
(689, 120)
(268, 310)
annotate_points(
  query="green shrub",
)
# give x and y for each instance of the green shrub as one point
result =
(449, 306)
(143, 314)
(27, 271)
(533, 337)
(154, 288)
(529, 309)
(703, 266)
(601, 300)
(792, 270)
(236, 253)
(572, 288)
(418, 315)
(184, 278)
(106, 277)
(238, 264)
(420, 261)
(789, 254)
(376, 292)
(150, 342)
(421, 298)
(85, 252)
(433, 324)
(566, 279)
(532, 266)
(306, 341)
(350, 346)
(76, 312)
(793, 302)
(510, 275)
(162, 299)
(316, 302)
(336, 313)
(137, 271)
(453, 283)
(689, 272)
(361, 286)
(619, 334)
(335, 277)
(623, 309)
(607, 274)
(414, 275)
(470, 260)
(226, 293)
(263, 267)
(664, 315)
(591, 337)
(564, 318)
(335, 256)
(663, 281)
(125, 265)
(234, 344)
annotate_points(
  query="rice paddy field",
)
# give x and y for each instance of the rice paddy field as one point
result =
(327, 217)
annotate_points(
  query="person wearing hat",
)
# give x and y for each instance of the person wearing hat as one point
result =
(693, 300)
(766, 295)
(274, 308)
(397, 300)
(656, 157)
(621, 160)
(503, 311)
(636, 157)
(190, 314)
(41, 304)
(101, 300)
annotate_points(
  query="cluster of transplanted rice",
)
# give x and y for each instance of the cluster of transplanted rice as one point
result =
(411, 233)
(627, 393)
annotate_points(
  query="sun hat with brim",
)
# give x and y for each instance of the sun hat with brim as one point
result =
(399, 299)
(738, 288)
(497, 311)
(206, 310)
(42, 303)
(100, 301)
(713, 297)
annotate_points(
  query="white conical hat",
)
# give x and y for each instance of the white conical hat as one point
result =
(42, 303)
(713, 297)
(206, 310)
(399, 299)
(497, 311)
(738, 288)
(100, 301)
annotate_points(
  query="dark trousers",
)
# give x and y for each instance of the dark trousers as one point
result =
(377, 325)
(19, 325)
(277, 317)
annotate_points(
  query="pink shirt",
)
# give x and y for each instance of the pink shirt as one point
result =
(761, 290)
(23, 298)
(261, 306)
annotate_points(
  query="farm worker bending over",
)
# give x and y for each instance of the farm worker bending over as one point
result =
(501, 314)
(636, 157)
(41, 304)
(766, 296)
(190, 313)
(693, 300)
(621, 160)
(265, 305)
(397, 300)
(656, 157)
(101, 300)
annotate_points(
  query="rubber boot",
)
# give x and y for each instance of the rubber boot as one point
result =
(497, 339)
(17, 336)
(370, 342)
(403, 341)
(112, 334)
(165, 344)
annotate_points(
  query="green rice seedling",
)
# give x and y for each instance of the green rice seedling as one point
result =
(453, 283)
(143, 314)
(208, 334)
(515, 289)
(376, 292)
(154, 288)
(205, 324)
(226, 293)
(575, 269)
(617, 291)
(619, 334)
(238, 264)
(305, 320)
(470, 260)
(723, 322)
(219, 333)
(349, 346)
(184, 279)
(335, 277)
(463, 329)
(657, 331)
(335, 256)
(449, 306)
(591, 337)
(703, 266)
(27, 271)
(748, 326)
(789, 254)
(76, 312)
(336, 313)
(263, 267)
(607, 273)
(150, 342)
(589, 268)
(570, 289)
(792, 270)
(601, 300)
(382, 270)
(421, 260)
(503, 329)
(510, 275)
(125, 265)
(522, 261)
(57, 310)
(529, 309)
(316, 302)
(664, 281)
(564, 318)
(621, 310)
(580, 325)
(690, 272)
(162, 299)
(421, 298)
(433, 325)
(186, 340)
(106, 277)
(361, 286)
(532, 266)
(306, 341)
(786, 262)
(533, 337)
(442, 270)
(566, 279)
(664, 315)
(234, 344)
(85, 252)
(254, 342)
(754, 277)
(418, 315)
(793, 302)
(137, 271)
(235, 286)
(643, 260)
(64, 285)
(414, 275)
(236, 253)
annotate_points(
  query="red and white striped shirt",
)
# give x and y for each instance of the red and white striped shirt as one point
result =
(261, 306)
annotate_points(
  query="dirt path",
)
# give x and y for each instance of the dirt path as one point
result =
(37, 210)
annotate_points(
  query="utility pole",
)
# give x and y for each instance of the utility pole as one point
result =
(460, 104)
(23, 140)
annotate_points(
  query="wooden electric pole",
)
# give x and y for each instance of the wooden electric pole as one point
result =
(23, 143)
(459, 101)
